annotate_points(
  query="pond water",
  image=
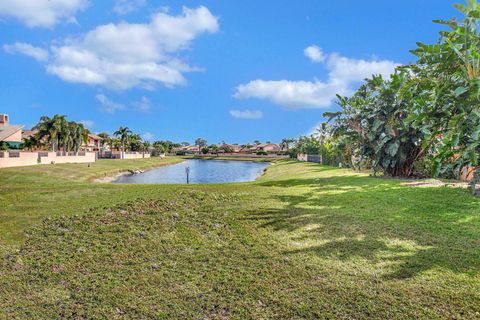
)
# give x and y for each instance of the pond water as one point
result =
(201, 172)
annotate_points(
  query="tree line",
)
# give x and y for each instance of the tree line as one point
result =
(424, 118)
(57, 133)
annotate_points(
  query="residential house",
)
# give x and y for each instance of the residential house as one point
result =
(269, 147)
(94, 143)
(26, 134)
(10, 135)
(187, 149)
(236, 148)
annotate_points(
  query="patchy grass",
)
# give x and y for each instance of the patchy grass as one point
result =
(304, 241)
(30, 194)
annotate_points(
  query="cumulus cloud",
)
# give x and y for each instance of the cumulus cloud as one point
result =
(292, 94)
(127, 6)
(108, 105)
(127, 55)
(41, 13)
(38, 54)
(343, 74)
(144, 105)
(314, 53)
(352, 70)
(247, 114)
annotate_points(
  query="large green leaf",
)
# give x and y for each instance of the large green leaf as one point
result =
(393, 148)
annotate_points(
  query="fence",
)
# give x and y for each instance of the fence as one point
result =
(309, 158)
(118, 155)
(20, 159)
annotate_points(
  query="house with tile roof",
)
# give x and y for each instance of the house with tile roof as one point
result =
(94, 143)
(10, 135)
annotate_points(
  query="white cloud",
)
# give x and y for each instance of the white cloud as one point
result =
(343, 74)
(108, 105)
(351, 70)
(127, 55)
(87, 123)
(144, 105)
(38, 54)
(314, 53)
(148, 136)
(247, 114)
(292, 94)
(127, 6)
(41, 13)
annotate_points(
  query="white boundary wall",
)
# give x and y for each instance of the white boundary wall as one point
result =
(21, 159)
(130, 155)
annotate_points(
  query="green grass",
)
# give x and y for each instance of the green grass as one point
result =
(303, 241)
(30, 194)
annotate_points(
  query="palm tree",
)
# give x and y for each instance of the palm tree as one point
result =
(49, 129)
(65, 136)
(286, 143)
(123, 133)
(322, 134)
(79, 136)
(146, 146)
(105, 139)
(201, 143)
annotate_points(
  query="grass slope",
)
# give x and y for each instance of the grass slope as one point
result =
(29, 194)
(304, 241)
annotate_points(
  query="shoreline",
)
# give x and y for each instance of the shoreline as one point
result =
(110, 178)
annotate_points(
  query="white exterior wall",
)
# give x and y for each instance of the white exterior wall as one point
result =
(131, 155)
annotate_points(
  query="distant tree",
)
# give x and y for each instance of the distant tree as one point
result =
(226, 148)
(49, 129)
(201, 143)
(123, 134)
(60, 133)
(214, 149)
(31, 143)
(104, 135)
(158, 148)
(286, 142)
(135, 142)
(322, 133)
(146, 146)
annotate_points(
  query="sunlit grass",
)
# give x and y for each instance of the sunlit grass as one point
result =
(303, 241)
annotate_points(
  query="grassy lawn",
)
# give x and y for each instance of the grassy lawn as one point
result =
(303, 241)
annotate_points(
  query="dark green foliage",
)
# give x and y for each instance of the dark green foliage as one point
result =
(426, 109)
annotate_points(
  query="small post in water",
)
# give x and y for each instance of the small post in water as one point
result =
(187, 171)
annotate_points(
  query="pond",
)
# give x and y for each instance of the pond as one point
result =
(201, 172)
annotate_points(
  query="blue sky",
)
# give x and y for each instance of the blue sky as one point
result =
(223, 70)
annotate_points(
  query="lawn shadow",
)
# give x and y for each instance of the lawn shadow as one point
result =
(413, 229)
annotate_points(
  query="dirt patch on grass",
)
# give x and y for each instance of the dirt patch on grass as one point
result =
(434, 183)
